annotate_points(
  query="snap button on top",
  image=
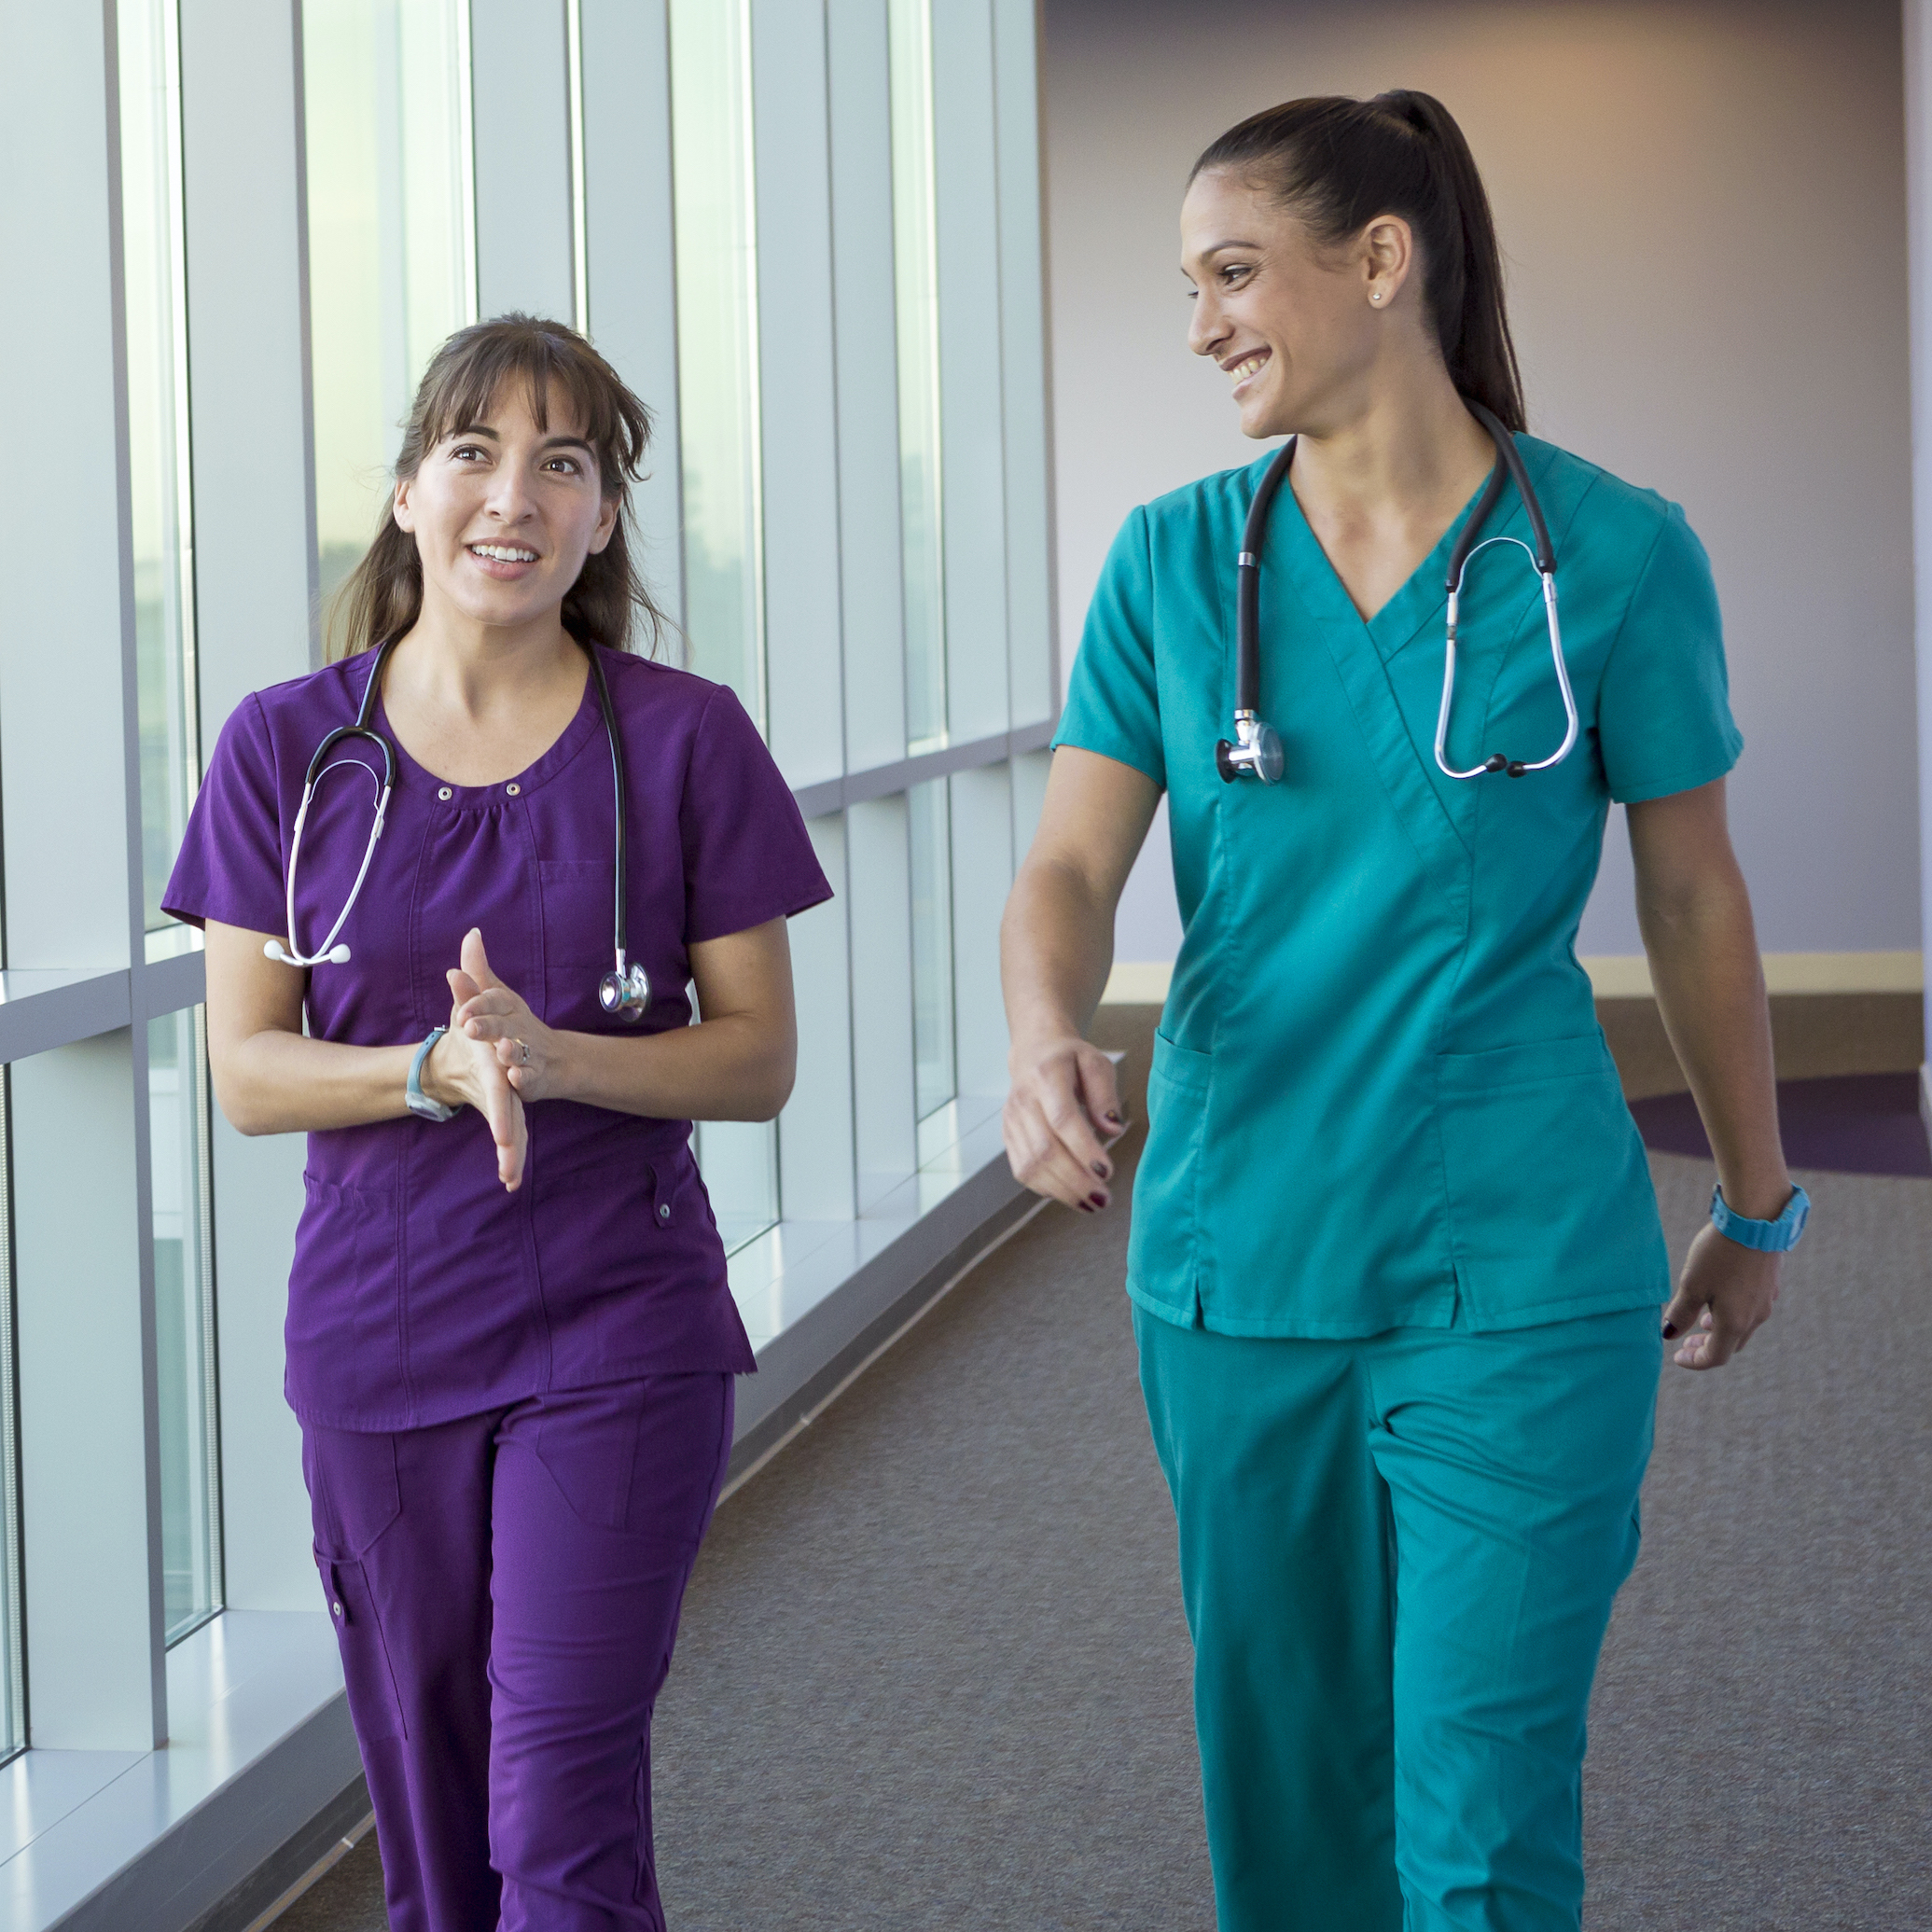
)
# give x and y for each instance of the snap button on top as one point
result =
(442, 791)
(664, 1212)
(337, 1608)
(513, 789)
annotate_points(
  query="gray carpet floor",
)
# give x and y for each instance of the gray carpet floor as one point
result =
(934, 1672)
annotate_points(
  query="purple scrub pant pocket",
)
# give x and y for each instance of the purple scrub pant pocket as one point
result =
(354, 1497)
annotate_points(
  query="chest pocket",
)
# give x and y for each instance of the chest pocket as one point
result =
(576, 911)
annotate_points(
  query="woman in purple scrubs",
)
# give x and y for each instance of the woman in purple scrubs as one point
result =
(510, 1339)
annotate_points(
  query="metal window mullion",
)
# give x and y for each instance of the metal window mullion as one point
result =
(208, 1309)
(13, 1615)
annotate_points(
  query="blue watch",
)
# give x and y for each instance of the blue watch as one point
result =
(419, 1102)
(1776, 1237)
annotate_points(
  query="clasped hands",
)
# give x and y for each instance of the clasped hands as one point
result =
(496, 1056)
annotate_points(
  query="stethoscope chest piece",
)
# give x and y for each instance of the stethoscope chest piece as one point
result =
(625, 991)
(1255, 752)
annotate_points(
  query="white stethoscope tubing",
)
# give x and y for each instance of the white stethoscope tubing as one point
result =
(328, 950)
(624, 992)
(1563, 675)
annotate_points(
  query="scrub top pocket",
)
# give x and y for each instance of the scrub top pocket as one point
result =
(1549, 1195)
(351, 1309)
(1160, 1245)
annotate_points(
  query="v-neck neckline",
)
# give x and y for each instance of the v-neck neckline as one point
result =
(1412, 603)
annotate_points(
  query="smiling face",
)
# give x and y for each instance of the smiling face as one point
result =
(1298, 327)
(504, 512)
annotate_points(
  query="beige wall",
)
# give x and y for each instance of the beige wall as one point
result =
(1703, 208)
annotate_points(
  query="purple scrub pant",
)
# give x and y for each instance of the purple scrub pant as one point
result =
(506, 1589)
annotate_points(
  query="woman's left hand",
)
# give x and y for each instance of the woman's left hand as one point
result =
(489, 1010)
(1724, 1296)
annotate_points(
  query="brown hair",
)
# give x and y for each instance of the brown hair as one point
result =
(1339, 163)
(382, 596)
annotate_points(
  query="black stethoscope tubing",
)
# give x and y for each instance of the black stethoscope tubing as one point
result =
(1255, 751)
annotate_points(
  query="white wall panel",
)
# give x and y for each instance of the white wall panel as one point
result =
(89, 1450)
(880, 916)
(627, 219)
(982, 874)
(797, 388)
(1032, 667)
(520, 93)
(815, 1178)
(872, 584)
(67, 627)
(972, 407)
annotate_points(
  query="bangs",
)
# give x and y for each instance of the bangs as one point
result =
(556, 372)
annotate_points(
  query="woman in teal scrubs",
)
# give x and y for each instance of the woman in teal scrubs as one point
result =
(1395, 1262)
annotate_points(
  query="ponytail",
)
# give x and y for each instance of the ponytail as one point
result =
(1339, 163)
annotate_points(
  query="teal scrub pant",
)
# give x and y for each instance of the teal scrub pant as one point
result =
(1398, 1557)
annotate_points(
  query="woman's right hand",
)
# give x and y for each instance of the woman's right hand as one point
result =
(462, 1071)
(1062, 1112)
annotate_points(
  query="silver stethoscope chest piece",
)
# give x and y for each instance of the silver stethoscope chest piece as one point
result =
(1255, 751)
(624, 992)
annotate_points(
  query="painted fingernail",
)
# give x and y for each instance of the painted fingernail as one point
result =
(1097, 1199)
(1100, 1167)
(1670, 1330)
(1111, 1115)
(1086, 1207)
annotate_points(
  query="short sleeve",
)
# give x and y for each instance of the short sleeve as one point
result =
(1664, 709)
(229, 867)
(1113, 702)
(747, 856)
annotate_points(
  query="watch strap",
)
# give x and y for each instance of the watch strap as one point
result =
(419, 1102)
(1776, 1237)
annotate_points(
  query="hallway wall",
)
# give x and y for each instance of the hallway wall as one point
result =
(1702, 206)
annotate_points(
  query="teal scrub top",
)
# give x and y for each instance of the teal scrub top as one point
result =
(1380, 1097)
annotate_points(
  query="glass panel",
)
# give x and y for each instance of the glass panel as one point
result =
(935, 1079)
(13, 1707)
(157, 345)
(916, 287)
(183, 1301)
(739, 1160)
(717, 343)
(385, 91)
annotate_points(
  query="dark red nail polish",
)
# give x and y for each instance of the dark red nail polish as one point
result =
(1111, 1117)
(1097, 1199)
(1670, 1332)
(1100, 1168)
(1086, 1207)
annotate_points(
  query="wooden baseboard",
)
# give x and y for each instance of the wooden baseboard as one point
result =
(1144, 982)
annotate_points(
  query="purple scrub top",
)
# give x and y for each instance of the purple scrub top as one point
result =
(421, 1290)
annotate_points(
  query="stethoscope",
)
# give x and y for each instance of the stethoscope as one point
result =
(1257, 751)
(625, 991)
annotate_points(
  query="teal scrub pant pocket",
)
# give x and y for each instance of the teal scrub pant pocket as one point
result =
(1398, 1557)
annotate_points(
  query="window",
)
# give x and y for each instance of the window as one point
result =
(184, 1301)
(158, 451)
(391, 270)
(916, 302)
(717, 343)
